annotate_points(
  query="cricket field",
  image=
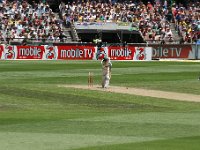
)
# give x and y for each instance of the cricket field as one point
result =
(42, 106)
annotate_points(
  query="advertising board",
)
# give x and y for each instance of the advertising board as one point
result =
(74, 52)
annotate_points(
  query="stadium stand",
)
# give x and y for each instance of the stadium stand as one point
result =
(157, 21)
(153, 21)
(20, 21)
(187, 21)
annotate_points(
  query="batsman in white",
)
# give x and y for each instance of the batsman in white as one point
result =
(106, 65)
(106, 72)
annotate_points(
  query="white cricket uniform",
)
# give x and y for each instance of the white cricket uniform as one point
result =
(106, 72)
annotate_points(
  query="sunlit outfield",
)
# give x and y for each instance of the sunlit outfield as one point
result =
(38, 114)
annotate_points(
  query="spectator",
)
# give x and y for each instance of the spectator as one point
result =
(22, 20)
(187, 22)
(153, 21)
(148, 18)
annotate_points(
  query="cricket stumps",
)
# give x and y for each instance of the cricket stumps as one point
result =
(90, 79)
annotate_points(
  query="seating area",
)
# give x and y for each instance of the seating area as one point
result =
(20, 21)
(154, 21)
(150, 20)
(187, 21)
(36, 22)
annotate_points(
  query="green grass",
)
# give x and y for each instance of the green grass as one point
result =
(37, 114)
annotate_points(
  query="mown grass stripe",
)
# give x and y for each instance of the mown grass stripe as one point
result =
(41, 141)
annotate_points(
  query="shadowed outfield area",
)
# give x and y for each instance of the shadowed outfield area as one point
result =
(37, 114)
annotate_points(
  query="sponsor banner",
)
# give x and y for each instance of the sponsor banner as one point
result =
(30, 52)
(148, 52)
(129, 53)
(9, 52)
(76, 52)
(198, 51)
(173, 51)
(101, 52)
(1, 51)
(51, 53)
(121, 52)
(73, 52)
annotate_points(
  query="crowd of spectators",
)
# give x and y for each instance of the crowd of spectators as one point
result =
(153, 20)
(187, 20)
(20, 21)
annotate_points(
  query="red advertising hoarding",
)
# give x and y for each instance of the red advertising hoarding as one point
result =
(121, 53)
(127, 53)
(76, 52)
(30, 52)
(89, 52)
(173, 51)
(1, 51)
(9, 52)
